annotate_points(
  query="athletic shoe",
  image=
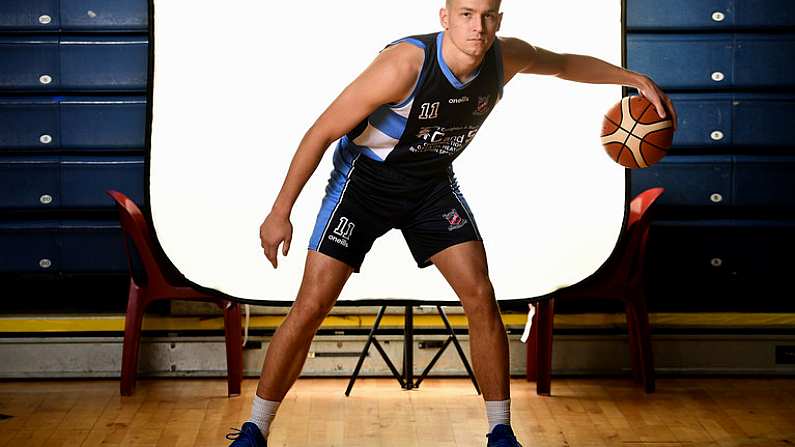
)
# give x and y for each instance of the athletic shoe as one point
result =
(248, 436)
(502, 436)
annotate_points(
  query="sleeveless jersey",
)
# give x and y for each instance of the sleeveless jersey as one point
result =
(420, 137)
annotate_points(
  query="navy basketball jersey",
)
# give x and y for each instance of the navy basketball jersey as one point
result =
(421, 136)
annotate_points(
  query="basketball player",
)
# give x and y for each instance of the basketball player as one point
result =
(401, 123)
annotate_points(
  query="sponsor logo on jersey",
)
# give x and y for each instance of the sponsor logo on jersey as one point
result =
(444, 140)
(460, 100)
(483, 105)
(454, 220)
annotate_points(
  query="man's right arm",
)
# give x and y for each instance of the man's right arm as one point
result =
(388, 79)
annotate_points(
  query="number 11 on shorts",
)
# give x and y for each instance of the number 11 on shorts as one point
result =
(345, 228)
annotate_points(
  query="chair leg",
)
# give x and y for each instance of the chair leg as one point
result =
(136, 304)
(546, 315)
(644, 343)
(234, 348)
(632, 337)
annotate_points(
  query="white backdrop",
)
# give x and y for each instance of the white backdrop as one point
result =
(237, 83)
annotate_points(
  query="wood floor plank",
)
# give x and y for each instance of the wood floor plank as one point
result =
(443, 412)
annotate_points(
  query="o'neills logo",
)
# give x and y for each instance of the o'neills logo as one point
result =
(338, 240)
(454, 220)
(460, 100)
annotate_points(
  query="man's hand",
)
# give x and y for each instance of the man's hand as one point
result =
(649, 90)
(274, 230)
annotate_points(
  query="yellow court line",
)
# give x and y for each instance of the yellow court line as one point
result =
(115, 323)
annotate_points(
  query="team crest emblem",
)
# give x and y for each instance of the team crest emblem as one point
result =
(454, 220)
(483, 104)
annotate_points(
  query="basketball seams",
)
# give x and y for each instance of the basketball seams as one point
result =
(649, 136)
(656, 146)
(629, 134)
(613, 123)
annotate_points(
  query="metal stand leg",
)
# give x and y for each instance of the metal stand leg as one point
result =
(454, 339)
(371, 339)
(406, 378)
(408, 348)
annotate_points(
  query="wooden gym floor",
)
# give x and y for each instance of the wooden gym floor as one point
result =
(442, 413)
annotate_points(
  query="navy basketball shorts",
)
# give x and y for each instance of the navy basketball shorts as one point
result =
(365, 199)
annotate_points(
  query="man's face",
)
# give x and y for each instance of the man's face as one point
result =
(472, 24)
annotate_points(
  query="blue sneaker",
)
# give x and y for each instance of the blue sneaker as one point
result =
(248, 436)
(502, 436)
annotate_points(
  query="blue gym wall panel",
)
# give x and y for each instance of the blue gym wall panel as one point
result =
(32, 15)
(30, 183)
(74, 62)
(29, 246)
(763, 120)
(80, 123)
(765, 182)
(765, 60)
(702, 15)
(765, 13)
(724, 120)
(62, 246)
(92, 246)
(103, 15)
(73, 15)
(104, 62)
(761, 182)
(103, 122)
(687, 254)
(714, 61)
(704, 120)
(84, 180)
(29, 63)
(53, 182)
(692, 182)
(25, 123)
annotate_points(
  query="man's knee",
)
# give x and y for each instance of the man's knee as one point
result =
(312, 309)
(478, 298)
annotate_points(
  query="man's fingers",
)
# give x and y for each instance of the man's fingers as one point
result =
(286, 247)
(270, 253)
(660, 109)
(272, 258)
(672, 110)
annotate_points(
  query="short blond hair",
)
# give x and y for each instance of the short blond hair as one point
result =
(449, 3)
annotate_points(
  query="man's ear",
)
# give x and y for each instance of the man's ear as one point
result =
(443, 18)
(499, 22)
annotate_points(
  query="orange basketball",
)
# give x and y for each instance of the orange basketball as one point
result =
(634, 135)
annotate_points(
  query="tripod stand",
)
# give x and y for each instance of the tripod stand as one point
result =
(406, 379)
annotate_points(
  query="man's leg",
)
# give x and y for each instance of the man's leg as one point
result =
(464, 266)
(324, 278)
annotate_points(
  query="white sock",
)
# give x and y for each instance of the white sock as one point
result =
(498, 412)
(262, 413)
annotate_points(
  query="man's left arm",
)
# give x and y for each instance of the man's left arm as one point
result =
(521, 57)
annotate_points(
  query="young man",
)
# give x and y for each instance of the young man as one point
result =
(402, 122)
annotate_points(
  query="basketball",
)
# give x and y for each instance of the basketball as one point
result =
(634, 135)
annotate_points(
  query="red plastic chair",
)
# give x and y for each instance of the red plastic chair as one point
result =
(621, 278)
(155, 283)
